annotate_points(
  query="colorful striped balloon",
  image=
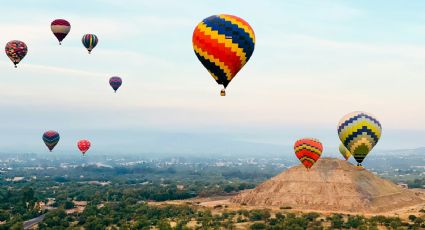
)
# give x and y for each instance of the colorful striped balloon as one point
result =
(51, 139)
(359, 132)
(115, 82)
(344, 152)
(60, 28)
(16, 51)
(223, 44)
(89, 41)
(308, 151)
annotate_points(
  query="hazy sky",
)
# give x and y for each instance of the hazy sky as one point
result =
(314, 61)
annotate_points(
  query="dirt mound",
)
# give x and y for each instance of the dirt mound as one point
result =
(330, 185)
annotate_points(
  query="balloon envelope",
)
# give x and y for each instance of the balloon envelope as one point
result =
(359, 132)
(89, 41)
(60, 28)
(344, 151)
(223, 44)
(51, 139)
(308, 151)
(16, 51)
(83, 145)
(115, 82)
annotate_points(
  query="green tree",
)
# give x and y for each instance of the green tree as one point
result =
(68, 204)
(164, 225)
(419, 221)
(27, 194)
(412, 218)
(4, 215)
(354, 222)
(395, 223)
(258, 226)
(336, 221)
(280, 216)
(142, 223)
(259, 215)
(54, 219)
(17, 226)
(311, 216)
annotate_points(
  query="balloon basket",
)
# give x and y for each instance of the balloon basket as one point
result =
(360, 167)
(223, 93)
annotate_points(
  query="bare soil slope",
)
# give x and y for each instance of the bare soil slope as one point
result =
(330, 185)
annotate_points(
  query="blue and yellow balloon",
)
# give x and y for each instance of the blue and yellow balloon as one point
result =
(344, 152)
(359, 132)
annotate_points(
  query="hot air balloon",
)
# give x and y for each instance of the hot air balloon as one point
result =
(60, 28)
(83, 145)
(344, 151)
(51, 139)
(223, 44)
(308, 151)
(359, 132)
(115, 82)
(89, 41)
(16, 51)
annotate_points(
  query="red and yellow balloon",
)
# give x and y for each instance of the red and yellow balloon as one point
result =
(223, 44)
(308, 151)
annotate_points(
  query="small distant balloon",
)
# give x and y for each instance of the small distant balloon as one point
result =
(60, 28)
(51, 139)
(308, 151)
(16, 51)
(344, 151)
(223, 44)
(83, 145)
(115, 82)
(89, 41)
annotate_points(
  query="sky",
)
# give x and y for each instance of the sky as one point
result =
(314, 62)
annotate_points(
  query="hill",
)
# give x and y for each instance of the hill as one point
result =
(330, 185)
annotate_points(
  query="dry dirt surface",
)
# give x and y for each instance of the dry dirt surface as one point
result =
(331, 185)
